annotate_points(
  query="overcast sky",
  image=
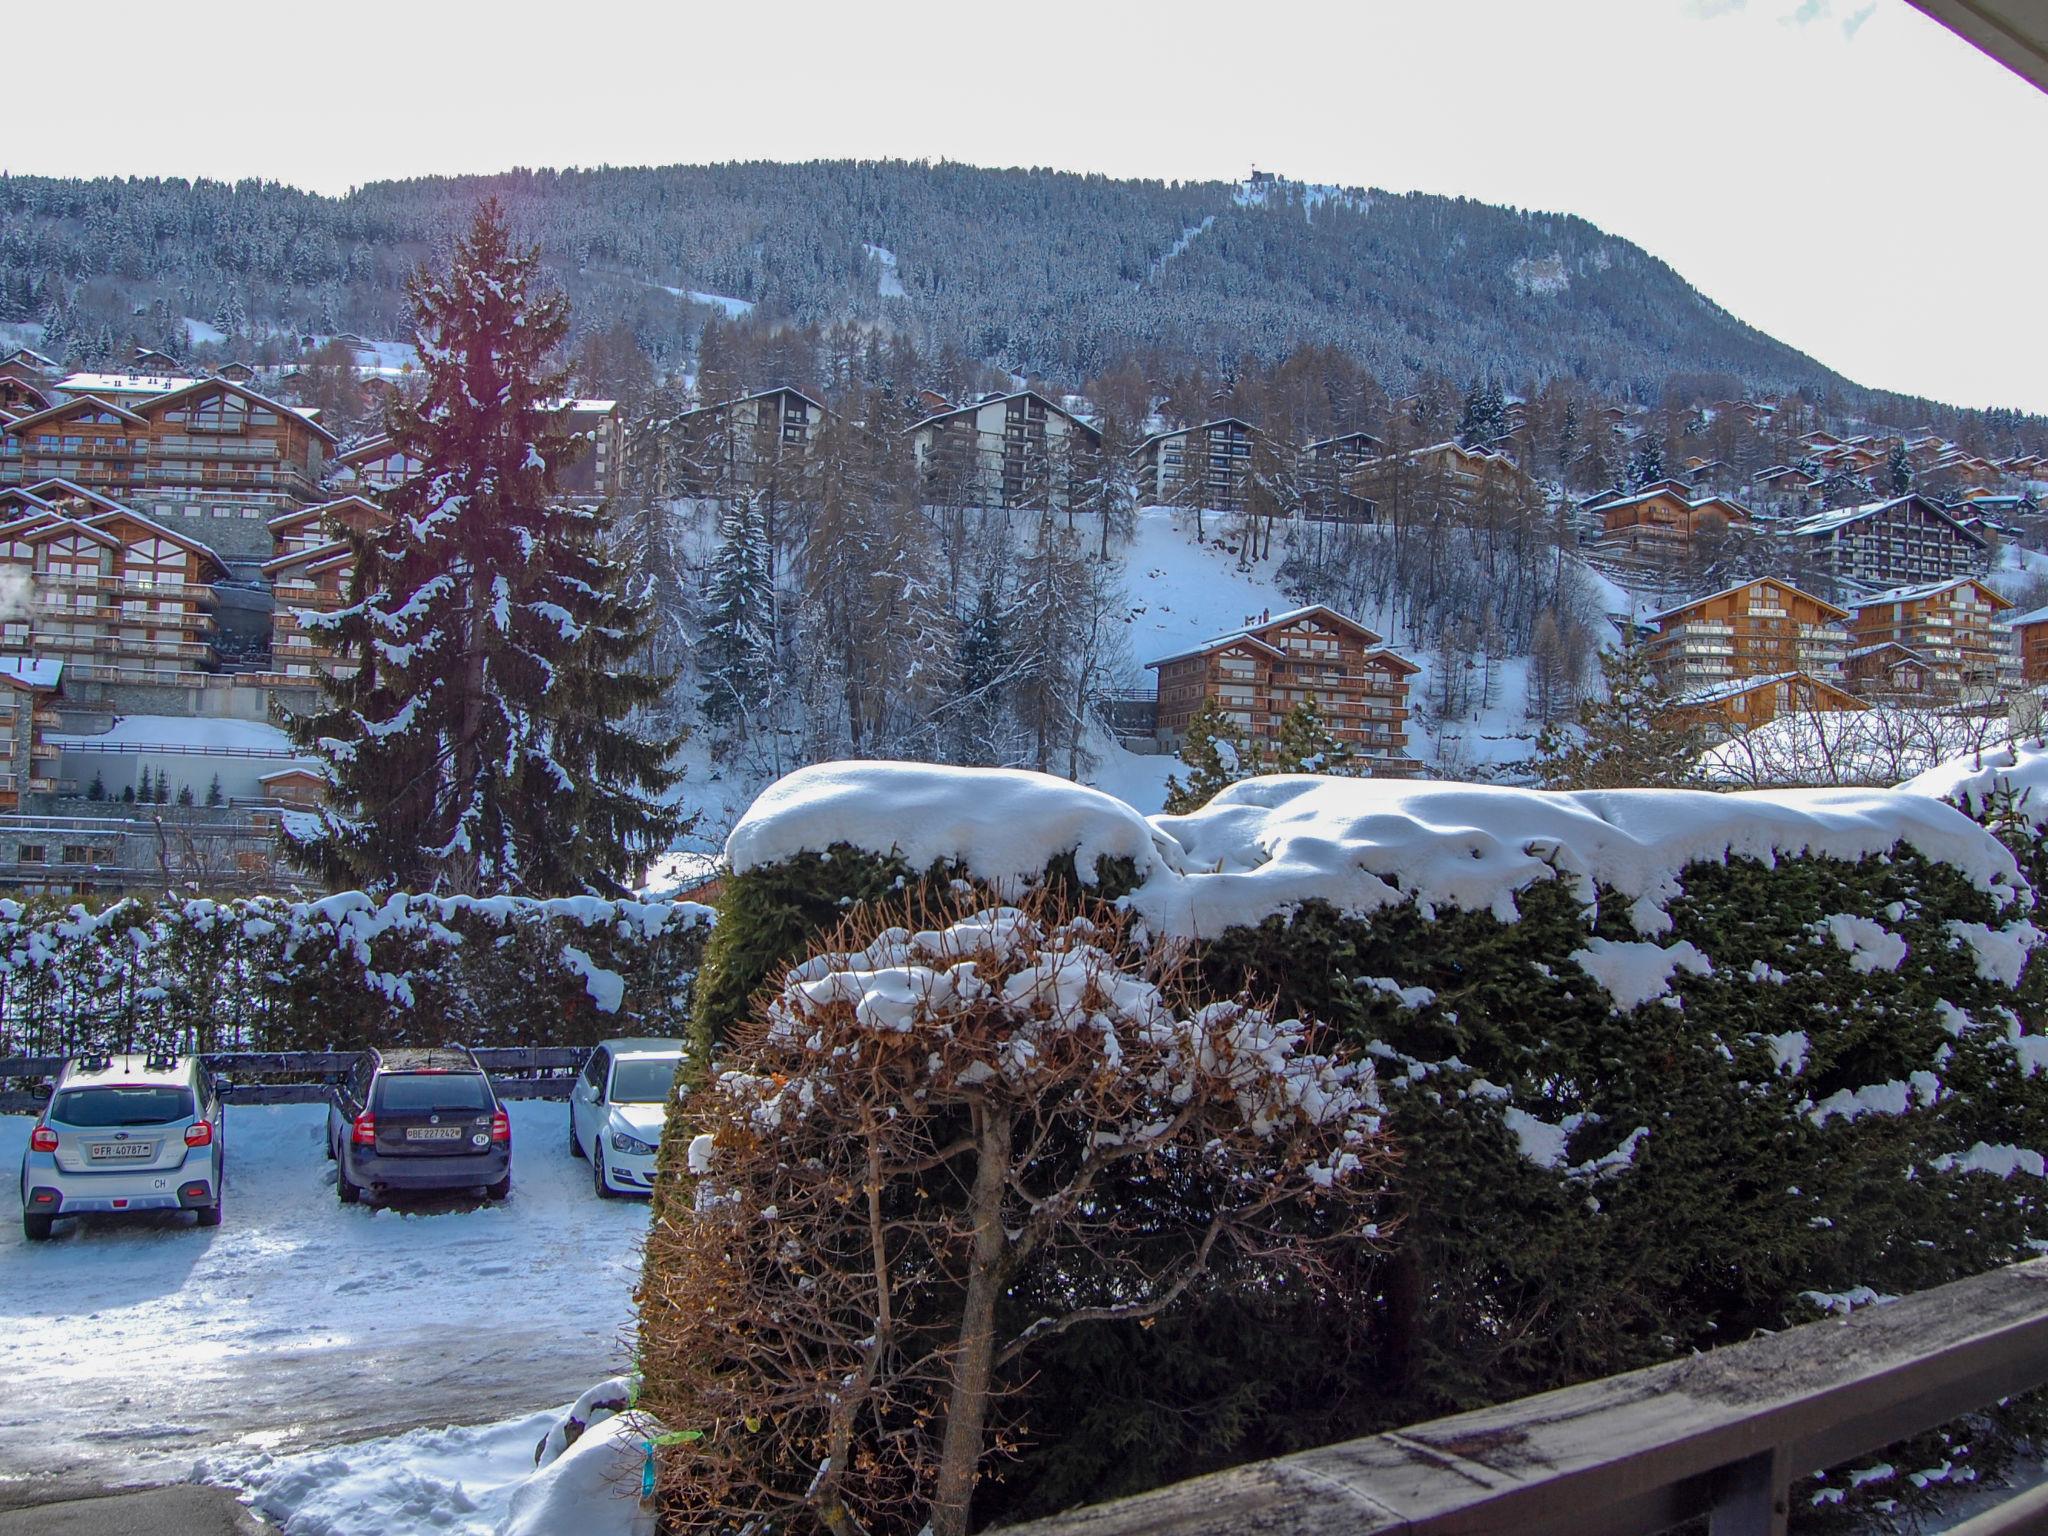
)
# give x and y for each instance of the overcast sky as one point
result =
(1844, 174)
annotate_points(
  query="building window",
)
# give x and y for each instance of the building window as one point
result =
(31, 853)
(77, 853)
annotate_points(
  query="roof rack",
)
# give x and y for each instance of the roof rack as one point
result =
(159, 1061)
(92, 1063)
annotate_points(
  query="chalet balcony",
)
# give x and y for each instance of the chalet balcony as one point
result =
(108, 645)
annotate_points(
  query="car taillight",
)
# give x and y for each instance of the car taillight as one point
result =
(199, 1134)
(42, 1139)
(501, 1126)
(363, 1132)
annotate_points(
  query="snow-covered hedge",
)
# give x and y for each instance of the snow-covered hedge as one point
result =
(1663, 1067)
(263, 973)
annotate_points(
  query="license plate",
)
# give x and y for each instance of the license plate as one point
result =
(116, 1150)
(433, 1133)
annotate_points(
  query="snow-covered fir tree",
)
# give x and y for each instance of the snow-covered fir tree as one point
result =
(1633, 738)
(736, 658)
(486, 743)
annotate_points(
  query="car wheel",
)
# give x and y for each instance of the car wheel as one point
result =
(597, 1178)
(330, 1151)
(351, 1194)
(36, 1228)
(575, 1146)
(209, 1215)
(499, 1190)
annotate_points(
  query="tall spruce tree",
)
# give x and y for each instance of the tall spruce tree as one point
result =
(738, 650)
(484, 745)
(1633, 738)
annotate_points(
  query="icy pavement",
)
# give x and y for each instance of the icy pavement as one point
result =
(133, 1348)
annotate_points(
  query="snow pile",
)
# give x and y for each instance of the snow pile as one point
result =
(1973, 780)
(480, 1481)
(1265, 846)
(1003, 824)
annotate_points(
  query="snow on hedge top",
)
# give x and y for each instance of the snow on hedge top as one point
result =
(1267, 845)
(1974, 778)
(1000, 823)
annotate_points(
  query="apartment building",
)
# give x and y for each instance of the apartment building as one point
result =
(1761, 628)
(1446, 473)
(1258, 673)
(757, 442)
(1209, 466)
(1664, 523)
(1330, 464)
(310, 573)
(1953, 626)
(1016, 450)
(1892, 543)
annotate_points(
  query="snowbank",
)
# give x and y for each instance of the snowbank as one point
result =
(1974, 778)
(1001, 823)
(1267, 845)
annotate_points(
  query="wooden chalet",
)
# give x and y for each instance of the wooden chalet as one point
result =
(1887, 670)
(1664, 523)
(1953, 625)
(29, 686)
(1330, 463)
(1207, 466)
(1258, 673)
(1760, 628)
(376, 466)
(311, 573)
(1446, 472)
(1890, 543)
(2029, 632)
(117, 595)
(1015, 450)
(1745, 703)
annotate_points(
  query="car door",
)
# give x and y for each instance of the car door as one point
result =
(346, 1104)
(586, 1100)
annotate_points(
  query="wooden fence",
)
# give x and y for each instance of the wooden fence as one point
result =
(305, 1077)
(1721, 1435)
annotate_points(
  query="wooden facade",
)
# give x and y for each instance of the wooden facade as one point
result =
(311, 573)
(1890, 543)
(376, 466)
(115, 595)
(1758, 629)
(1448, 473)
(1329, 465)
(1887, 671)
(1209, 466)
(1258, 673)
(1749, 702)
(1953, 625)
(2029, 632)
(1016, 450)
(1666, 523)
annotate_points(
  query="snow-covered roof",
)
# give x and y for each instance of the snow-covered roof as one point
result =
(243, 390)
(2023, 620)
(32, 671)
(1265, 846)
(124, 383)
(599, 407)
(78, 403)
(1857, 653)
(1220, 421)
(1020, 394)
(1841, 517)
(181, 733)
(1929, 589)
(1714, 693)
(1253, 630)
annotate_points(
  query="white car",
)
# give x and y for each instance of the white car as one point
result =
(125, 1133)
(616, 1111)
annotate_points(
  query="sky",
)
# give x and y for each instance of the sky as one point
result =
(1843, 174)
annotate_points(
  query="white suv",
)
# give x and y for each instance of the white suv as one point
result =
(125, 1133)
(616, 1112)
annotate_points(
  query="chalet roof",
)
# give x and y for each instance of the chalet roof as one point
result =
(2028, 619)
(29, 355)
(50, 527)
(1220, 421)
(1914, 594)
(770, 394)
(37, 674)
(308, 514)
(125, 383)
(169, 396)
(1019, 394)
(1254, 632)
(319, 552)
(1685, 496)
(1754, 581)
(1821, 523)
(375, 447)
(77, 403)
(1344, 437)
(45, 490)
(1906, 652)
(1715, 693)
(182, 540)
(296, 771)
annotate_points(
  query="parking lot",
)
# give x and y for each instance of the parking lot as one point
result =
(133, 1347)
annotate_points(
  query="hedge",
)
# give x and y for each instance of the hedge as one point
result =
(262, 973)
(1817, 1088)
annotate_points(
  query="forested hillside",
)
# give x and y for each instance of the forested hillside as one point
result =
(1034, 271)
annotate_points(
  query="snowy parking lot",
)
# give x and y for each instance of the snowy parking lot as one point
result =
(133, 1348)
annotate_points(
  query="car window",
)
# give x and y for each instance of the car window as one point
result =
(116, 1105)
(410, 1092)
(593, 1069)
(643, 1080)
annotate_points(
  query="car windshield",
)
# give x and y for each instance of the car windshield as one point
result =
(137, 1104)
(407, 1092)
(643, 1081)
